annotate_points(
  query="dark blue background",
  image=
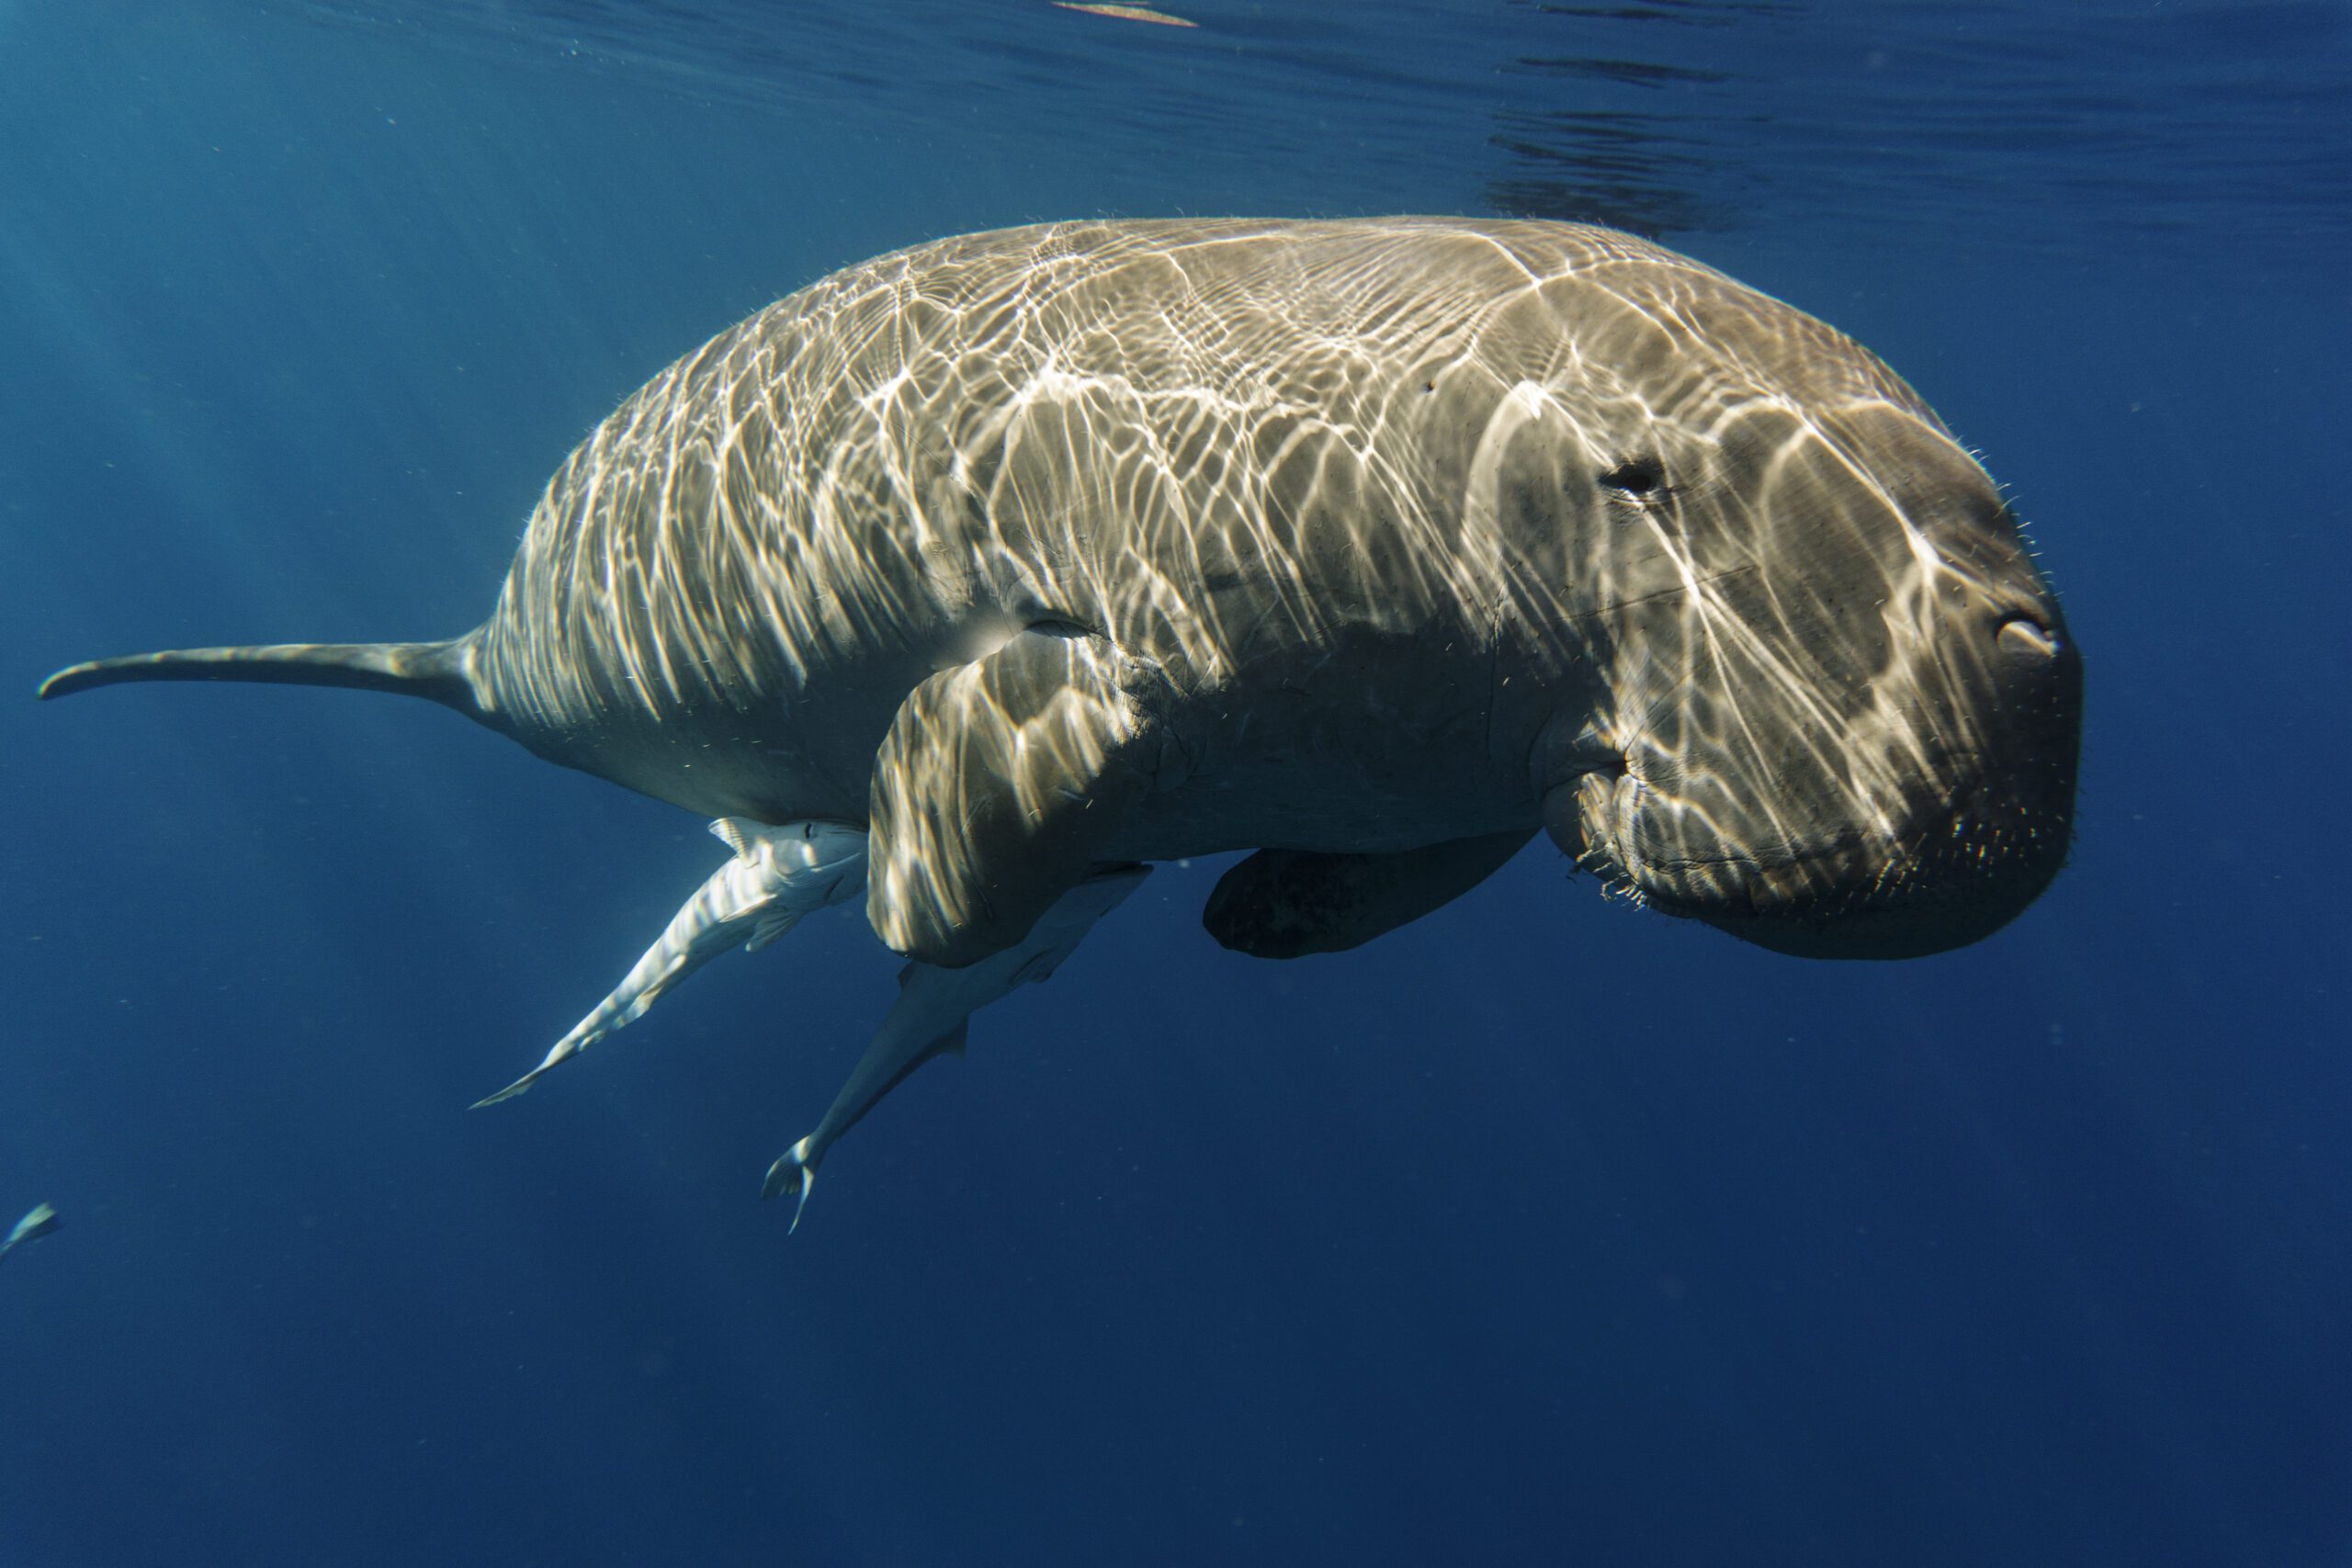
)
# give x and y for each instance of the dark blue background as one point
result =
(1543, 1230)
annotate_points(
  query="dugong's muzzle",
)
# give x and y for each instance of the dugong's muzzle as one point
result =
(1868, 753)
(1963, 861)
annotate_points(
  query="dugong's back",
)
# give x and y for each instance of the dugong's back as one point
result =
(1197, 436)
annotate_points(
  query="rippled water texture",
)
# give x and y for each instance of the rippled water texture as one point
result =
(2130, 119)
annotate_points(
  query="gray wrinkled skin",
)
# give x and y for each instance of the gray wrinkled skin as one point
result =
(1069, 545)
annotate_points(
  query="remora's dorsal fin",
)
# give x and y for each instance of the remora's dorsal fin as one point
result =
(437, 670)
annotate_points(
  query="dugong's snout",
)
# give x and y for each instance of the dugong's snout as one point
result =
(1868, 751)
(1823, 871)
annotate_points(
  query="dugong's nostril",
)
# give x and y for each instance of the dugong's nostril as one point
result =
(2023, 636)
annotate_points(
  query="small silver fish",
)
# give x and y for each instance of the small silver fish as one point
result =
(39, 1223)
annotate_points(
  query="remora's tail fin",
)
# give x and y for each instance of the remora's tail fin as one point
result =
(433, 670)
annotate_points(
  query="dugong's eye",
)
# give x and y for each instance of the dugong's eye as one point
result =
(1636, 479)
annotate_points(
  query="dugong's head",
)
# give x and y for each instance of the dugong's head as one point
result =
(1834, 708)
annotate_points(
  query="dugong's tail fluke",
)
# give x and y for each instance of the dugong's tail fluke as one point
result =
(434, 669)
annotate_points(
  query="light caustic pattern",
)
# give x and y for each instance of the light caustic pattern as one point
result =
(1367, 535)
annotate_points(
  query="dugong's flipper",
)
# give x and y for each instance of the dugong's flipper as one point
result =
(1288, 903)
(778, 875)
(38, 1223)
(999, 783)
(933, 1006)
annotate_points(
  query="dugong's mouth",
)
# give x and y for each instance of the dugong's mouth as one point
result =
(1937, 882)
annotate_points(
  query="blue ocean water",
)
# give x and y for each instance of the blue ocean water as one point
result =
(1545, 1230)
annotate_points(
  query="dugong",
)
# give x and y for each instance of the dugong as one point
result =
(974, 577)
